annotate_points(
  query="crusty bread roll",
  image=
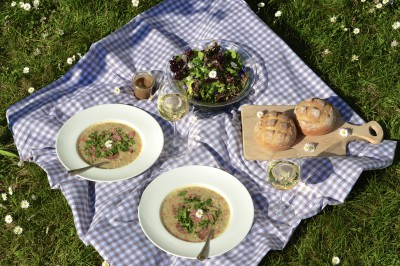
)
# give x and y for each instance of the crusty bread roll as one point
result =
(315, 117)
(276, 130)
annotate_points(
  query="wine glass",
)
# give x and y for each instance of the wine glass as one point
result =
(173, 104)
(283, 174)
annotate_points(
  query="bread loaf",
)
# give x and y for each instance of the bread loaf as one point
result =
(276, 131)
(315, 117)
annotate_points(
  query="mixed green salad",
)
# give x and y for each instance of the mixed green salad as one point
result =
(210, 75)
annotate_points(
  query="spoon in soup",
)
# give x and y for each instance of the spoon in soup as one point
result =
(206, 249)
(83, 169)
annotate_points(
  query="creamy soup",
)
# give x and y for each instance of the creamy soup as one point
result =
(114, 142)
(189, 213)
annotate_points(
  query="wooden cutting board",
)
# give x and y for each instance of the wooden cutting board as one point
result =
(331, 144)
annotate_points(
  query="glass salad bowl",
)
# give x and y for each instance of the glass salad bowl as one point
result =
(215, 73)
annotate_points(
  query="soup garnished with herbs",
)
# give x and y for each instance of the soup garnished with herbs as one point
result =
(117, 143)
(189, 213)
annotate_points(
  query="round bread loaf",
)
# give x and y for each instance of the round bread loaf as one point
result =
(276, 130)
(315, 117)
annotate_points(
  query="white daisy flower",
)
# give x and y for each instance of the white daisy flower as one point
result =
(354, 58)
(25, 70)
(199, 213)
(70, 61)
(8, 219)
(36, 4)
(356, 31)
(260, 114)
(135, 3)
(36, 52)
(4, 196)
(21, 4)
(108, 144)
(13, 3)
(27, 6)
(261, 4)
(105, 263)
(345, 29)
(379, 6)
(394, 43)
(24, 204)
(278, 13)
(326, 52)
(335, 260)
(212, 74)
(333, 19)
(117, 90)
(363, 1)
(10, 191)
(31, 89)
(385, 2)
(18, 230)
(309, 147)
(396, 25)
(344, 132)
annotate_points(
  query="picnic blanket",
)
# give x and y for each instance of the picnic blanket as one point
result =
(105, 214)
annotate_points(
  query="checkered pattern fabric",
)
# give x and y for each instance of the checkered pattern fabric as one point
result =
(105, 214)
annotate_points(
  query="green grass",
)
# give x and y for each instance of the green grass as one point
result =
(364, 230)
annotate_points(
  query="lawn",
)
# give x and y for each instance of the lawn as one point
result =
(354, 46)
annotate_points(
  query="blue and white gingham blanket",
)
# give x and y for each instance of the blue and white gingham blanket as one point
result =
(105, 214)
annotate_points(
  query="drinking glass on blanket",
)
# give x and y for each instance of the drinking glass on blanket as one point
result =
(283, 175)
(173, 104)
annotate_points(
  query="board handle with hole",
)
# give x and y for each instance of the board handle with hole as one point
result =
(371, 132)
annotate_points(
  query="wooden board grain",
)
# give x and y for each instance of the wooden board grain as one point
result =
(331, 144)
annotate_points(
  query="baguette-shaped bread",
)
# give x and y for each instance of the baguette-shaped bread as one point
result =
(315, 117)
(276, 131)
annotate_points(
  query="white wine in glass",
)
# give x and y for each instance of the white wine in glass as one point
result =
(173, 104)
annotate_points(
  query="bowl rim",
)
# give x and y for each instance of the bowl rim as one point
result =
(249, 60)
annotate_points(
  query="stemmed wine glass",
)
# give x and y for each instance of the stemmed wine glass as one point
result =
(282, 174)
(173, 104)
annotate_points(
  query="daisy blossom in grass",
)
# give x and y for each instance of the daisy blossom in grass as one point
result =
(25, 70)
(31, 89)
(24, 204)
(105, 263)
(278, 13)
(326, 52)
(70, 60)
(4, 196)
(10, 191)
(36, 4)
(335, 260)
(212, 74)
(117, 90)
(379, 6)
(261, 4)
(27, 6)
(8, 219)
(363, 1)
(354, 58)
(385, 2)
(18, 230)
(394, 43)
(21, 4)
(13, 3)
(333, 19)
(396, 25)
(356, 31)
(135, 3)
(33, 197)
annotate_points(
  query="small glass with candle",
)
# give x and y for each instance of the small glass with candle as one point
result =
(143, 83)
